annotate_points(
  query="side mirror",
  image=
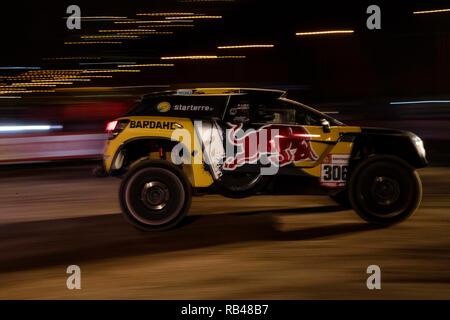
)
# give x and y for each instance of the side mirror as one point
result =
(325, 125)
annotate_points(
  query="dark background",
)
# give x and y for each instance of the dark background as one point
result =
(355, 76)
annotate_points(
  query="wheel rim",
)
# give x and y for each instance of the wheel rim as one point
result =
(155, 195)
(154, 201)
(385, 190)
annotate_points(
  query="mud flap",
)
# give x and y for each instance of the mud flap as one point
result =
(211, 138)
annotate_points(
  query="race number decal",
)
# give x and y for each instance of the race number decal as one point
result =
(333, 171)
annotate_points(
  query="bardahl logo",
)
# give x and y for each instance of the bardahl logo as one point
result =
(163, 106)
(154, 125)
(182, 107)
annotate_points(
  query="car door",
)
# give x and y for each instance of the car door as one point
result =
(304, 137)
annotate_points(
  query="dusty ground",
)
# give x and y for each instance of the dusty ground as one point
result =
(259, 248)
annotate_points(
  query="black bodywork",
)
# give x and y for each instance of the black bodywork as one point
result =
(386, 141)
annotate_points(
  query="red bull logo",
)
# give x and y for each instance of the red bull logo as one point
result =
(276, 145)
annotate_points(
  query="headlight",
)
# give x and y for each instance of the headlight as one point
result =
(419, 146)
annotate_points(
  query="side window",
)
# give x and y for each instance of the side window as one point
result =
(307, 118)
(238, 111)
(275, 112)
(245, 110)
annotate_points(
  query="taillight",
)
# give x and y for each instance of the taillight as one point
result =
(111, 126)
(115, 127)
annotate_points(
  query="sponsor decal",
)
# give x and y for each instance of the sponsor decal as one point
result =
(154, 125)
(185, 91)
(163, 106)
(244, 106)
(182, 107)
(271, 147)
(271, 144)
(334, 170)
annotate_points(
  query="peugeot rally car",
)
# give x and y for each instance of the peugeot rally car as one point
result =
(243, 142)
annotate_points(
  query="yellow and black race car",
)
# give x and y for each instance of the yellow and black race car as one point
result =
(242, 142)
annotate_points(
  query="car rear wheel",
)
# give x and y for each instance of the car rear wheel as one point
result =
(384, 190)
(155, 195)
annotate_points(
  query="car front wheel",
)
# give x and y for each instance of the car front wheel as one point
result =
(385, 190)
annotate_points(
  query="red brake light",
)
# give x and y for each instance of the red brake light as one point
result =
(111, 126)
(115, 127)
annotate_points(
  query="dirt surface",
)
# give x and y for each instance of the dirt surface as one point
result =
(284, 247)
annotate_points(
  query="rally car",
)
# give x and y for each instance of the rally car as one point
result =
(242, 142)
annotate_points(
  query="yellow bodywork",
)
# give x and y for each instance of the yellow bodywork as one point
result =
(323, 150)
(197, 172)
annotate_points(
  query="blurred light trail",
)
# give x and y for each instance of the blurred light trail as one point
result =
(145, 21)
(37, 91)
(22, 128)
(204, 57)
(103, 17)
(16, 85)
(432, 11)
(194, 17)
(145, 33)
(168, 25)
(109, 70)
(52, 71)
(125, 30)
(98, 18)
(418, 102)
(190, 57)
(99, 77)
(73, 58)
(40, 84)
(20, 68)
(44, 145)
(104, 63)
(231, 57)
(147, 65)
(93, 42)
(12, 90)
(10, 97)
(327, 32)
(110, 37)
(245, 46)
(157, 14)
(57, 81)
